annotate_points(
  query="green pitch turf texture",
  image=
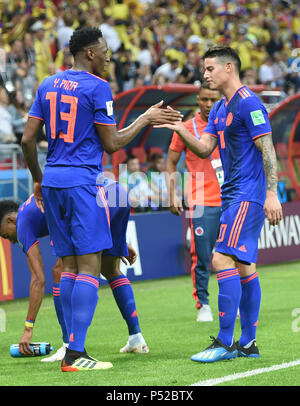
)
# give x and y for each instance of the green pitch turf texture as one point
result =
(168, 319)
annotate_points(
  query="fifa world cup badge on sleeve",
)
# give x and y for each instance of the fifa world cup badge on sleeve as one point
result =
(257, 117)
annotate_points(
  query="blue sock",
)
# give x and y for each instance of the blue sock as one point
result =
(59, 312)
(249, 307)
(124, 297)
(229, 300)
(66, 285)
(84, 302)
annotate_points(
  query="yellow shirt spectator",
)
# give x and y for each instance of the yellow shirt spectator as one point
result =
(173, 53)
(296, 22)
(43, 56)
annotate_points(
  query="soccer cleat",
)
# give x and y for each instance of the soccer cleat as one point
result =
(217, 351)
(58, 356)
(205, 313)
(139, 348)
(251, 352)
(82, 363)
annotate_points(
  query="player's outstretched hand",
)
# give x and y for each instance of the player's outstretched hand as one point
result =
(176, 126)
(157, 115)
(37, 190)
(24, 342)
(273, 209)
(131, 258)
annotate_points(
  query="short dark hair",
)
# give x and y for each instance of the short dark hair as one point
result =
(130, 157)
(83, 37)
(223, 52)
(7, 206)
(156, 156)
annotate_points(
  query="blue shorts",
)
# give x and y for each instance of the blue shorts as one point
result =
(77, 224)
(119, 210)
(240, 227)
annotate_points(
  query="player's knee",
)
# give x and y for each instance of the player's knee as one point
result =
(69, 265)
(110, 273)
(57, 270)
(221, 261)
(110, 267)
(246, 270)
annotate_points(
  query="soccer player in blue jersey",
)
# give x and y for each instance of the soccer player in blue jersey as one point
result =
(239, 124)
(27, 224)
(76, 107)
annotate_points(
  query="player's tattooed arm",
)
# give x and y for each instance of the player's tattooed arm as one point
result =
(266, 147)
(272, 206)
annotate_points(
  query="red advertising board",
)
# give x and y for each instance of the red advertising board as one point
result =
(282, 242)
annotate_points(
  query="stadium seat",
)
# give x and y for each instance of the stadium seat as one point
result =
(296, 148)
(119, 157)
(105, 158)
(281, 150)
(154, 150)
(6, 164)
(140, 153)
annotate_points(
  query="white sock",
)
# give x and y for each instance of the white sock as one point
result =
(136, 338)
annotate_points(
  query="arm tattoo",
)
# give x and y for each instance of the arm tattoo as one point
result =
(266, 147)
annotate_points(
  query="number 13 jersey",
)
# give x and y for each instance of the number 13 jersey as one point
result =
(70, 103)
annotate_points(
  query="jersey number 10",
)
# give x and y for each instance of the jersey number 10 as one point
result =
(69, 117)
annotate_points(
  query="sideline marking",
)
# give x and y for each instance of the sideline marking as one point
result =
(233, 377)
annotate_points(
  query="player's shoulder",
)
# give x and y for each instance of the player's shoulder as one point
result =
(94, 83)
(248, 97)
(97, 79)
(99, 86)
(50, 79)
(29, 209)
(48, 83)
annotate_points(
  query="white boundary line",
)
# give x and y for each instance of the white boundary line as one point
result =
(233, 377)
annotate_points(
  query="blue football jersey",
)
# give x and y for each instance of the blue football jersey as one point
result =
(31, 225)
(236, 124)
(70, 103)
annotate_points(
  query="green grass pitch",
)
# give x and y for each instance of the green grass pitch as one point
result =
(168, 320)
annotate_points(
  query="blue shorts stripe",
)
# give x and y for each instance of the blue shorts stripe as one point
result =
(241, 224)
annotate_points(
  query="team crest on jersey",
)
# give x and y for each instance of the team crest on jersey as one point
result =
(257, 117)
(109, 108)
(229, 119)
(199, 231)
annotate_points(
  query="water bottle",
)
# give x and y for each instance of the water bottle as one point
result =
(38, 349)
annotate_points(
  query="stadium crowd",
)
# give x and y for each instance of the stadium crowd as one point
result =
(151, 42)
